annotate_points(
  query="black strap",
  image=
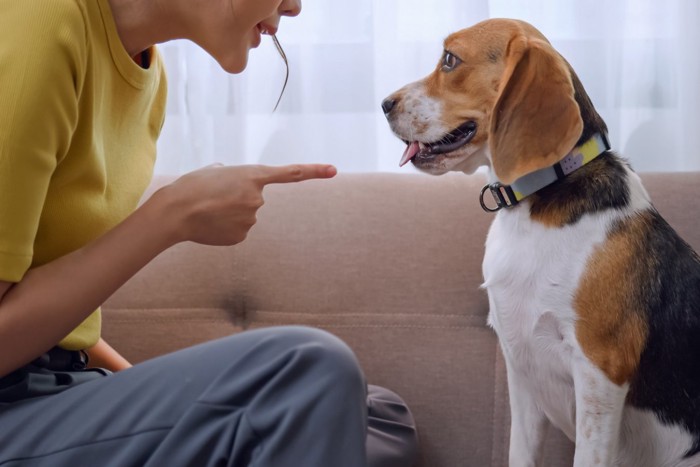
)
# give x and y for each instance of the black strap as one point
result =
(51, 373)
(58, 359)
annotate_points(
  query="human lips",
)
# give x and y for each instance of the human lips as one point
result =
(266, 29)
(260, 30)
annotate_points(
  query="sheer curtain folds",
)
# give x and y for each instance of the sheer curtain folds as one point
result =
(638, 59)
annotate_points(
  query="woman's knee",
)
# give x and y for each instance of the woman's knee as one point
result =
(328, 354)
(317, 354)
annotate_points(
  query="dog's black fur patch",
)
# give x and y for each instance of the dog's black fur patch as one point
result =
(667, 381)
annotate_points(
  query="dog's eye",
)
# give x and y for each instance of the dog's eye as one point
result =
(449, 61)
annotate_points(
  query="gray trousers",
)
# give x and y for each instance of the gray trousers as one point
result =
(276, 397)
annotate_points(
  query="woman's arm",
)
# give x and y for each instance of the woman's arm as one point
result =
(213, 206)
(51, 300)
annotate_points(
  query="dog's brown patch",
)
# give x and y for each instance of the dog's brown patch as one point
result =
(555, 215)
(612, 327)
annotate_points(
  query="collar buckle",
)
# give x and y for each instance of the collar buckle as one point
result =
(502, 194)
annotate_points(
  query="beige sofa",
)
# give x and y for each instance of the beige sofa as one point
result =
(390, 263)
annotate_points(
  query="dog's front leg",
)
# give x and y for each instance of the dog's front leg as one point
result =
(599, 405)
(527, 423)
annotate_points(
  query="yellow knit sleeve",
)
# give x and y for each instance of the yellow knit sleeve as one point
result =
(43, 52)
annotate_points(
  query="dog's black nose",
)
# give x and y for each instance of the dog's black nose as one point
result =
(388, 104)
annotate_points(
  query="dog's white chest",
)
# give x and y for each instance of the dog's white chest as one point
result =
(531, 270)
(531, 274)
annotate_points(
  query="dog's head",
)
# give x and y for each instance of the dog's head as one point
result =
(500, 96)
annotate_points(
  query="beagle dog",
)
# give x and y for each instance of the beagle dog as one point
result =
(594, 297)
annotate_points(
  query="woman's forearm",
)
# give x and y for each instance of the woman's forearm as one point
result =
(51, 300)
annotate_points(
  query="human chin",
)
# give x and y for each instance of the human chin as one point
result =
(235, 62)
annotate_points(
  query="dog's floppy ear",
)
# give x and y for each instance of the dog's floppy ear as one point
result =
(536, 120)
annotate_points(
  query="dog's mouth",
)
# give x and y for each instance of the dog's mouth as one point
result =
(448, 143)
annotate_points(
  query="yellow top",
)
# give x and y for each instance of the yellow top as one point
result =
(79, 121)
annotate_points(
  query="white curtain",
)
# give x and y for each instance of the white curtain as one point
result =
(638, 59)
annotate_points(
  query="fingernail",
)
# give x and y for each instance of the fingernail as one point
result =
(331, 171)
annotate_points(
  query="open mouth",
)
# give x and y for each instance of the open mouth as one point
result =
(266, 29)
(448, 143)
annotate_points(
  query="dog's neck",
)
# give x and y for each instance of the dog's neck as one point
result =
(507, 196)
(598, 185)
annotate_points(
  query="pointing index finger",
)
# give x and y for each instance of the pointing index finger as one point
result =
(295, 173)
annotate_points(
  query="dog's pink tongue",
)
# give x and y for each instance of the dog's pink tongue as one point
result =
(411, 150)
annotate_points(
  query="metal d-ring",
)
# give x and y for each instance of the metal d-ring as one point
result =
(483, 204)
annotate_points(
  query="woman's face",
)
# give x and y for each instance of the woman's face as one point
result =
(238, 27)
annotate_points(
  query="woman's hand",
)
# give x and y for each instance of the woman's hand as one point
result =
(102, 355)
(217, 205)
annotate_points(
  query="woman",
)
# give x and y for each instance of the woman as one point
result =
(83, 101)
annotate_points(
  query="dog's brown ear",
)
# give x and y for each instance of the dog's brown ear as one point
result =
(536, 120)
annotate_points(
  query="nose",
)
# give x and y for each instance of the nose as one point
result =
(290, 8)
(388, 104)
